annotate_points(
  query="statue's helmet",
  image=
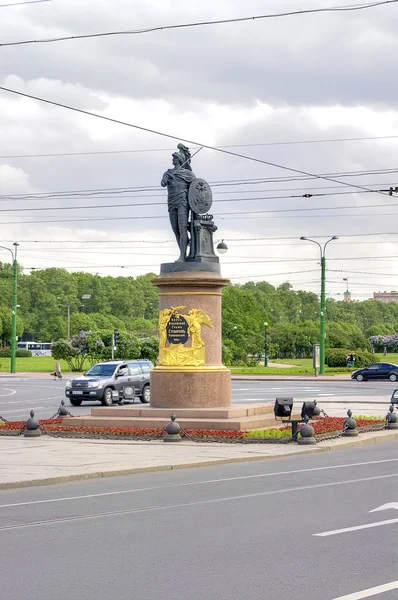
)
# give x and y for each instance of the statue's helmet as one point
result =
(183, 155)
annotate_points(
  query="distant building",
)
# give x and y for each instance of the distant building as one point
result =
(386, 296)
(347, 296)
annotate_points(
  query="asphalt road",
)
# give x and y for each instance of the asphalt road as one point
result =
(19, 396)
(248, 530)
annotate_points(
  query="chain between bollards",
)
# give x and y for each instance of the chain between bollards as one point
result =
(62, 411)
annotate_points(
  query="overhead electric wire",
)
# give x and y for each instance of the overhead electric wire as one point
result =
(147, 150)
(344, 8)
(262, 261)
(131, 249)
(25, 2)
(253, 239)
(207, 146)
(247, 212)
(221, 217)
(88, 192)
(306, 195)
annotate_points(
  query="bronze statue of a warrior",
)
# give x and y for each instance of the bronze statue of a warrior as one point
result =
(178, 179)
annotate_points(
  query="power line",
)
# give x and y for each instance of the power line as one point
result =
(132, 249)
(147, 150)
(252, 239)
(259, 262)
(169, 136)
(221, 217)
(307, 195)
(26, 2)
(247, 212)
(345, 8)
(88, 192)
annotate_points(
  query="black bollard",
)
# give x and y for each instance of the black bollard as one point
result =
(63, 411)
(391, 419)
(32, 426)
(306, 437)
(317, 410)
(350, 426)
(173, 431)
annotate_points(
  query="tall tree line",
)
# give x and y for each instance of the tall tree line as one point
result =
(132, 304)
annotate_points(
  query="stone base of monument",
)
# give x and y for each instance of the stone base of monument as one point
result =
(203, 387)
(239, 417)
(190, 373)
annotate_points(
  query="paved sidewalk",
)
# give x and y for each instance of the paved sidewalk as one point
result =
(42, 461)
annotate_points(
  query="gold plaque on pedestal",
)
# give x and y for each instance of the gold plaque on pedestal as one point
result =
(176, 330)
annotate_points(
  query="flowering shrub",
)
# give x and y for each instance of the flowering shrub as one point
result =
(388, 341)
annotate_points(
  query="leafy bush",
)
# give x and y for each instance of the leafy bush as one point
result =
(19, 353)
(23, 353)
(150, 349)
(337, 357)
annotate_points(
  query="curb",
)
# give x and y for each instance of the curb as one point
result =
(342, 444)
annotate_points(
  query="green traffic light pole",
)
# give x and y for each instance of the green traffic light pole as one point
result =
(265, 344)
(322, 320)
(14, 306)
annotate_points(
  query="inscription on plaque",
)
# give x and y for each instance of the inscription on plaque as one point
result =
(177, 329)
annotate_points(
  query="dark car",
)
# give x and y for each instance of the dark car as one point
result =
(377, 371)
(111, 382)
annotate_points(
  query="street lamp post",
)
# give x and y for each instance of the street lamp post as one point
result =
(14, 305)
(322, 318)
(265, 344)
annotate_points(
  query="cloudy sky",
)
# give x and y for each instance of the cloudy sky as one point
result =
(281, 90)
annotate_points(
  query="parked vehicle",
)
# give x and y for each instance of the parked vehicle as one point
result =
(377, 371)
(113, 381)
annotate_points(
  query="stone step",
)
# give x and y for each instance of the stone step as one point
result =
(233, 412)
(237, 423)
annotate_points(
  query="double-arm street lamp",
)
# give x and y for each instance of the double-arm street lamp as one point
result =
(14, 305)
(323, 301)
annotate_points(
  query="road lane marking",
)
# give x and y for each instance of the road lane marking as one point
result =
(26, 401)
(380, 589)
(387, 506)
(189, 504)
(355, 528)
(22, 410)
(10, 390)
(195, 483)
(325, 394)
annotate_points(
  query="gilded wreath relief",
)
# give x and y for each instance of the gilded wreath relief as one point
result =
(174, 331)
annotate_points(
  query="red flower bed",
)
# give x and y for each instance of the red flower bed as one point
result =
(321, 425)
(11, 425)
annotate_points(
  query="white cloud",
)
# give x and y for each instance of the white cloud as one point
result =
(299, 78)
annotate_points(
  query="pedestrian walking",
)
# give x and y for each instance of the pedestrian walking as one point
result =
(385, 351)
(57, 374)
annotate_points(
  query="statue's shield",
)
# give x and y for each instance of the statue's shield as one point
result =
(200, 196)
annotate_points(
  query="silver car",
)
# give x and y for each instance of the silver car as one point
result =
(114, 381)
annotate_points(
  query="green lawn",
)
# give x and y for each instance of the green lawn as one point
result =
(35, 364)
(302, 366)
(297, 362)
